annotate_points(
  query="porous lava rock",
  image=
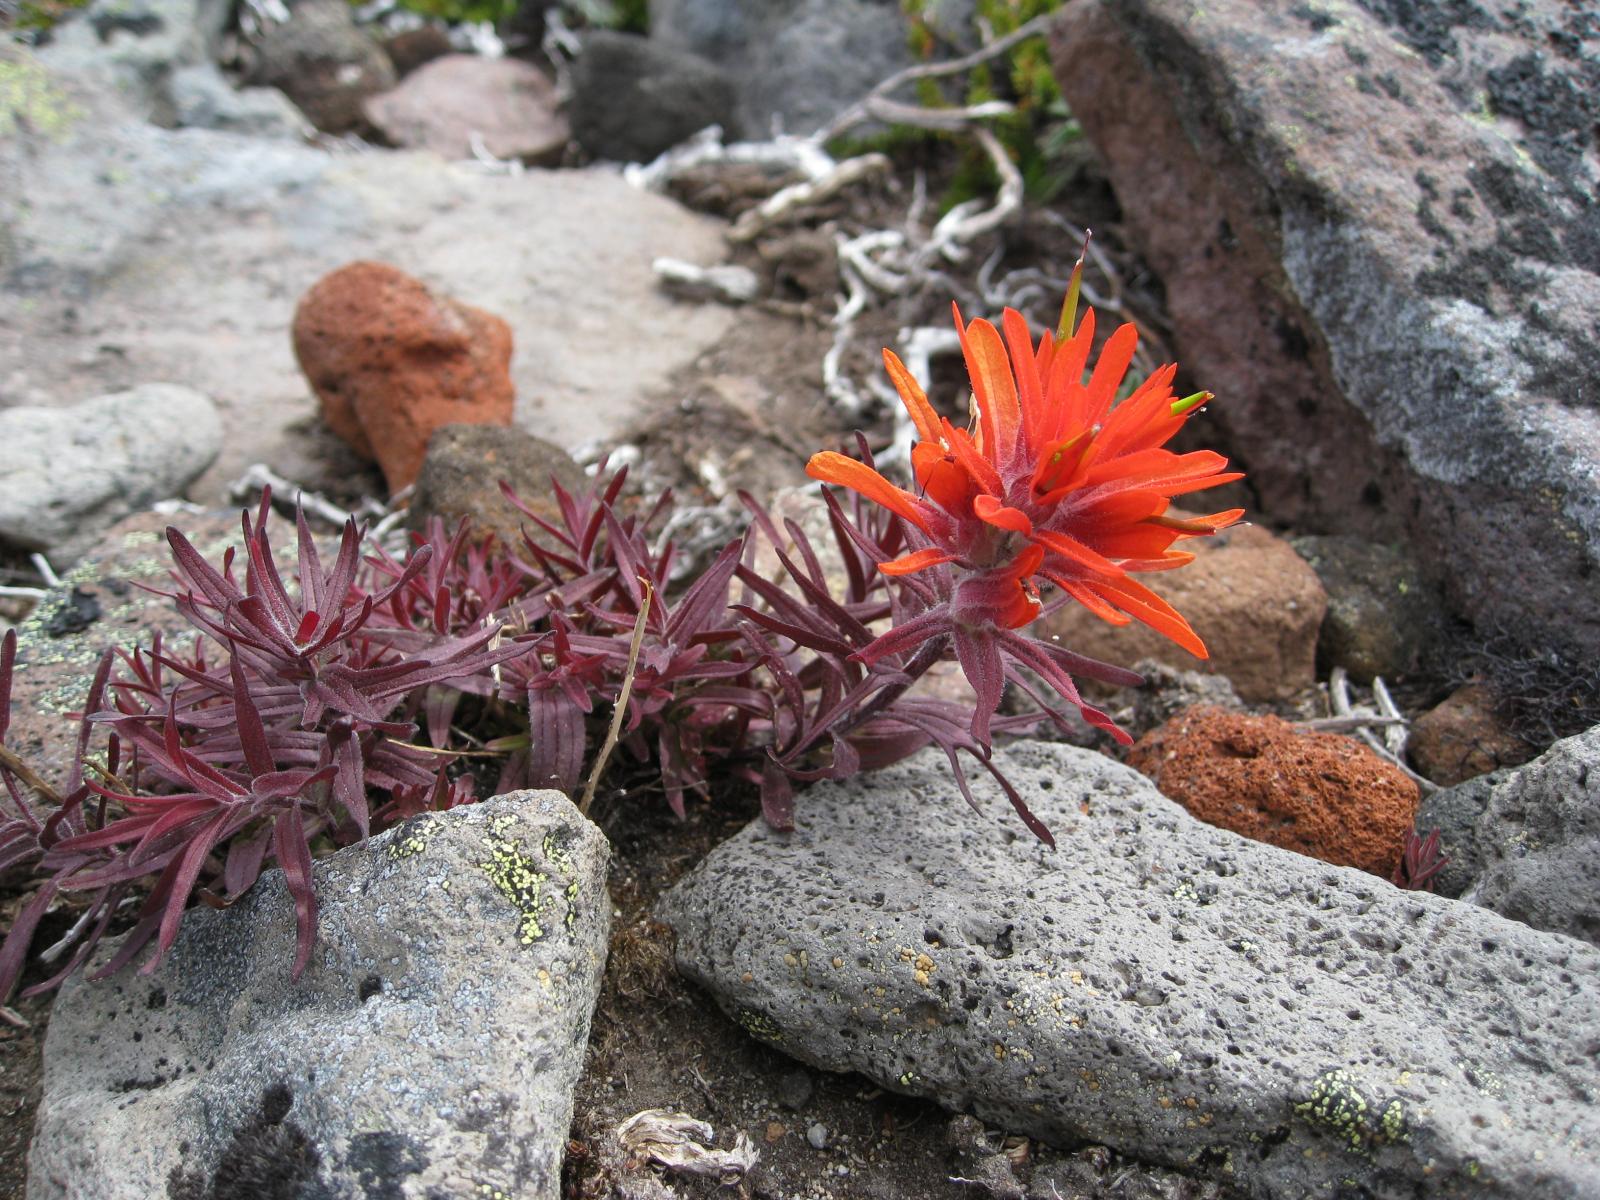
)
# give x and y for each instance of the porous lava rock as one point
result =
(391, 361)
(464, 468)
(1464, 736)
(1316, 793)
(1174, 991)
(430, 1049)
(1375, 224)
(1253, 601)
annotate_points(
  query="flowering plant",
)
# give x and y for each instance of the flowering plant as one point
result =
(1052, 481)
(293, 724)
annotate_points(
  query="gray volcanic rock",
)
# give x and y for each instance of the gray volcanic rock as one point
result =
(1539, 841)
(325, 63)
(799, 64)
(1377, 229)
(632, 97)
(1157, 985)
(66, 474)
(430, 1049)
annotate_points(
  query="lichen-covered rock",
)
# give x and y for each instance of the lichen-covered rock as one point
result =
(463, 470)
(1539, 841)
(1375, 225)
(1382, 614)
(1253, 601)
(1314, 793)
(429, 1050)
(1172, 990)
(391, 361)
(1464, 736)
(66, 474)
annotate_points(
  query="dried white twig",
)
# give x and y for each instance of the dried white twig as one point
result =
(727, 283)
(1339, 698)
(784, 205)
(47, 573)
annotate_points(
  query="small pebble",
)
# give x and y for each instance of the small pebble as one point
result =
(795, 1090)
(817, 1135)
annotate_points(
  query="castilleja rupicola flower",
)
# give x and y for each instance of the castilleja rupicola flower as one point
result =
(1054, 482)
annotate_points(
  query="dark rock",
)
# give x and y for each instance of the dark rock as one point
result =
(463, 470)
(1464, 736)
(796, 64)
(485, 930)
(1455, 812)
(1539, 839)
(325, 63)
(1383, 261)
(1382, 614)
(1166, 692)
(795, 1089)
(413, 48)
(632, 98)
(1171, 990)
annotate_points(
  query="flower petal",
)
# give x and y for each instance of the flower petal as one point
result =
(1139, 601)
(920, 560)
(1075, 551)
(913, 397)
(993, 385)
(832, 467)
(1115, 356)
(1001, 516)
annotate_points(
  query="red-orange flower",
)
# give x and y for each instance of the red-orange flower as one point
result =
(1055, 480)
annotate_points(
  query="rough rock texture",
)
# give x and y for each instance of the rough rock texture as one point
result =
(1253, 601)
(1539, 841)
(632, 98)
(1166, 988)
(1314, 793)
(325, 63)
(429, 1050)
(1167, 692)
(203, 99)
(68, 473)
(1462, 737)
(392, 361)
(179, 255)
(797, 65)
(1382, 613)
(105, 602)
(508, 103)
(1454, 812)
(463, 470)
(1376, 228)
(142, 50)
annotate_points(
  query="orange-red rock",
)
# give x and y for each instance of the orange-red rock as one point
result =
(1314, 793)
(391, 361)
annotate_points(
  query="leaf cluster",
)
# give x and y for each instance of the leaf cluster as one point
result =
(319, 704)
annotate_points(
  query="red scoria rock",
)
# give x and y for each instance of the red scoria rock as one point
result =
(1315, 793)
(391, 361)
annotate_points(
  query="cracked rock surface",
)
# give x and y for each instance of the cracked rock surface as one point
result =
(1156, 985)
(429, 1051)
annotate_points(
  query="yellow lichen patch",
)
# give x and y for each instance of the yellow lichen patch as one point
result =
(514, 877)
(1337, 1105)
(31, 102)
(759, 1025)
(411, 840)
